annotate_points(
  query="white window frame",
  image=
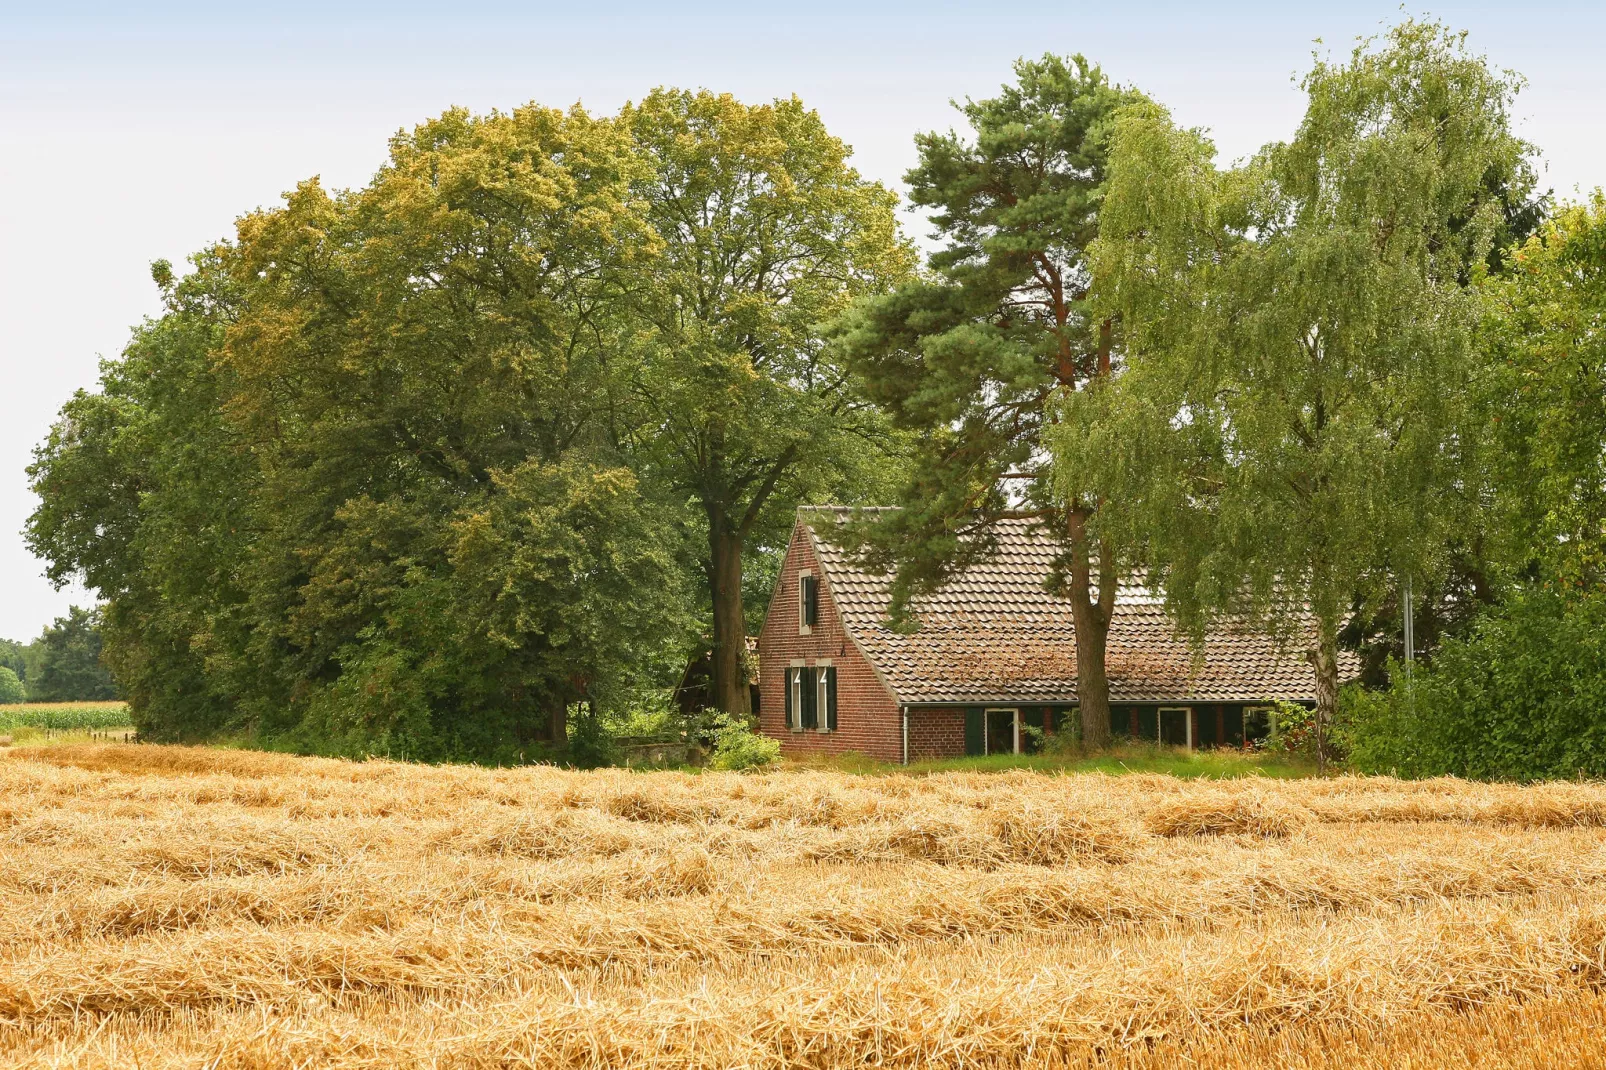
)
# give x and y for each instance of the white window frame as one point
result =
(986, 736)
(822, 715)
(802, 605)
(794, 684)
(1187, 720)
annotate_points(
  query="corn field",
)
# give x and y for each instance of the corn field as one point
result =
(65, 716)
(172, 906)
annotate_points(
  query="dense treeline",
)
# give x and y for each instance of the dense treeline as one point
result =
(416, 468)
(518, 427)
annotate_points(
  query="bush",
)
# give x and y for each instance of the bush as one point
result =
(11, 690)
(591, 745)
(1522, 697)
(1295, 732)
(737, 746)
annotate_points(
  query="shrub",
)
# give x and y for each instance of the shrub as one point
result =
(1521, 697)
(11, 689)
(737, 746)
(591, 745)
(1295, 733)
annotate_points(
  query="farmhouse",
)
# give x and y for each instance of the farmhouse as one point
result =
(992, 666)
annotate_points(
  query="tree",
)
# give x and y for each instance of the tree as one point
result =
(12, 656)
(1542, 394)
(11, 689)
(357, 489)
(970, 356)
(145, 493)
(68, 666)
(1291, 424)
(736, 404)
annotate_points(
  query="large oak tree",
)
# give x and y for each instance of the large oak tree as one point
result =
(766, 233)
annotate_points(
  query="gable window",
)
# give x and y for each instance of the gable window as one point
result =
(808, 602)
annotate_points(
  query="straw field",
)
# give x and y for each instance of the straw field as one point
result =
(186, 907)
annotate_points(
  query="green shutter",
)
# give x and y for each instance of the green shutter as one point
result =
(787, 687)
(975, 739)
(811, 717)
(830, 698)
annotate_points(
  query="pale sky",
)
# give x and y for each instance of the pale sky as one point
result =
(131, 135)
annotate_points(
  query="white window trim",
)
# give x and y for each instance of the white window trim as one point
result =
(794, 684)
(1187, 720)
(805, 629)
(986, 736)
(822, 716)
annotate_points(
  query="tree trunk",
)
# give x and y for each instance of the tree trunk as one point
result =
(1324, 660)
(557, 726)
(1092, 620)
(728, 679)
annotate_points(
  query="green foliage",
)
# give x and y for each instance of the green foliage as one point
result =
(1294, 731)
(11, 689)
(1523, 697)
(14, 656)
(65, 717)
(968, 356)
(738, 747)
(763, 233)
(1291, 426)
(414, 468)
(66, 664)
(591, 745)
(1543, 397)
(357, 491)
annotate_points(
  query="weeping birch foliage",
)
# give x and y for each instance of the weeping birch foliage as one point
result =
(1287, 428)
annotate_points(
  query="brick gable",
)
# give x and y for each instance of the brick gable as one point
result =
(868, 719)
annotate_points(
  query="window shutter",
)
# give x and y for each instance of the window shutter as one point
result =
(811, 711)
(975, 732)
(791, 675)
(830, 698)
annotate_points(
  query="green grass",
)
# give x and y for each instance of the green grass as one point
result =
(63, 716)
(1123, 758)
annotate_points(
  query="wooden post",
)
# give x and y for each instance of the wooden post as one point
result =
(1188, 718)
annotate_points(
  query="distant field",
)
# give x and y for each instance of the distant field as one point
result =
(64, 716)
(173, 907)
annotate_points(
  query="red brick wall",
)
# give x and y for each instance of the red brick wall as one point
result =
(936, 733)
(868, 720)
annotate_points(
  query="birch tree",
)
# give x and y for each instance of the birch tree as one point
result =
(1298, 335)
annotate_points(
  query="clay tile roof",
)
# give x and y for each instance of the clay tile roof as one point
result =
(996, 634)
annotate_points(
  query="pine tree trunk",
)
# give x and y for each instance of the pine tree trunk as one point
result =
(1092, 619)
(1324, 660)
(728, 681)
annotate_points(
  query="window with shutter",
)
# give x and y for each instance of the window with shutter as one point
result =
(808, 600)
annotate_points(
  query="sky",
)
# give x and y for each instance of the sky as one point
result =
(135, 132)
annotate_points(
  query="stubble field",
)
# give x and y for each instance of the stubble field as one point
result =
(183, 907)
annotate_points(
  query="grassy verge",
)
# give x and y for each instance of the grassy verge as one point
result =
(1125, 758)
